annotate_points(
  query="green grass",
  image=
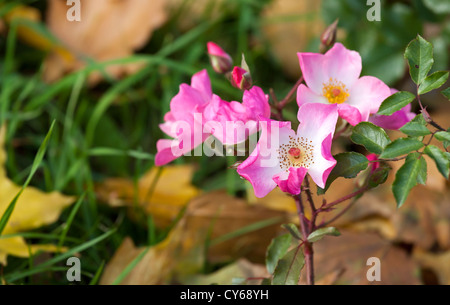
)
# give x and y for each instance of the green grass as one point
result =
(88, 134)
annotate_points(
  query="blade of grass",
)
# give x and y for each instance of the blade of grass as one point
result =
(245, 230)
(70, 220)
(36, 163)
(97, 275)
(12, 277)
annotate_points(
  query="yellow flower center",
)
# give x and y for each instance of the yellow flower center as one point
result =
(335, 92)
(297, 153)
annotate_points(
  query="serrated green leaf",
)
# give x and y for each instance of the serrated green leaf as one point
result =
(293, 230)
(441, 160)
(400, 147)
(422, 176)
(372, 137)
(433, 81)
(277, 249)
(406, 179)
(321, 233)
(348, 165)
(419, 54)
(416, 128)
(446, 93)
(442, 135)
(289, 267)
(396, 102)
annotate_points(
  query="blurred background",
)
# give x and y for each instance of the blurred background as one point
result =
(107, 82)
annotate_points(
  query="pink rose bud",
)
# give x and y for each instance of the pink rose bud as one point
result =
(220, 61)
(328, 37)
(241, 78)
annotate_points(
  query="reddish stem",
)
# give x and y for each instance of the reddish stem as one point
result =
(309, 253)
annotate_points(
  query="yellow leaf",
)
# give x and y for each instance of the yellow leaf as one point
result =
(32, 37)
(33, 209)
(163, 200)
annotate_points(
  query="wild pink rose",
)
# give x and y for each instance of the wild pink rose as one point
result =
(196, 113)
(334, 78)
(283, 157)
(182, 122)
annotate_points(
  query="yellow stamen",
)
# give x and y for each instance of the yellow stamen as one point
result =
(335, 92)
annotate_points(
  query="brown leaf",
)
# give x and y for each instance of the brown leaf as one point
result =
(438, 263)
(110, 29)
(289, 26)
(351, 251)
(162, 192)
(241, 269)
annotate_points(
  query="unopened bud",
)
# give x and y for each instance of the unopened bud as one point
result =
(241, 78)
(328, 37)
(220, 61)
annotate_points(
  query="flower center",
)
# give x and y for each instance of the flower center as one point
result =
(297, 153)
(335, 91)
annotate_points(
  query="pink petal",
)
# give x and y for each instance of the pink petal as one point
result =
(312, 66)
(293, 183)
(317, 121)
(257, 103)
(350, 114)
(201, 82)
(367, 94)
(395, 121)
(306, 95)
(343, 65)
(263, 164)
(324, 163)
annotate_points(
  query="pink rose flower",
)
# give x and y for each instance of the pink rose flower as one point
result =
(283, 157)
(196, 113)
(334, 78)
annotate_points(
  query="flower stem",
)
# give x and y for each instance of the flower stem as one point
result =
(309, 253)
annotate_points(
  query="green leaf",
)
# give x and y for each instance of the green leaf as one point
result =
(400, 147)
(321, 233)
(348, 165)
(442, 135)
(372, 137)
(405, 179)
(441, 160)
(446, 93)
(396, 102)
(288, 269)
(293, 230)
(416, 128)
(419, 54)
(276, 250)
(422, 176)
(438, 6)
(433, 81)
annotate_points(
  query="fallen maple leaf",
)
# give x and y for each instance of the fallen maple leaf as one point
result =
(33, 209)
